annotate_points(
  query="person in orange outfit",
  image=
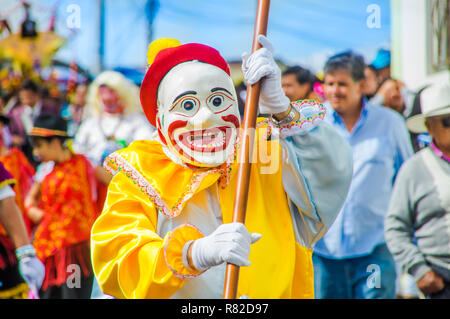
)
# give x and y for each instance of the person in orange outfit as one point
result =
(64, 208)
(166, 229)
(21, 169)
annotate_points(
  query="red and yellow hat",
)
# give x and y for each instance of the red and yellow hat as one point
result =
(162, 56)
(47, 125)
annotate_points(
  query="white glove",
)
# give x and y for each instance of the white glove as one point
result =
(229, 243)
(30, 267)
(261, 64)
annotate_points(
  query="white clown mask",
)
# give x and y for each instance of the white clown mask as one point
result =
(198, 116)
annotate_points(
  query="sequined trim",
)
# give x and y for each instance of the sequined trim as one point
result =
(115, 163)
(18, 292)
(311, 114)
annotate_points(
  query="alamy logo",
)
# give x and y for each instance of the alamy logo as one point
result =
(374, 19)
(73, 21)
(374, 279)
(74, 279)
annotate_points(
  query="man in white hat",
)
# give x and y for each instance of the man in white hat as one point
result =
(417, 226)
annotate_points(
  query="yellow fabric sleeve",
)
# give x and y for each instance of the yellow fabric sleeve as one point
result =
(176, 239)
(129, 259)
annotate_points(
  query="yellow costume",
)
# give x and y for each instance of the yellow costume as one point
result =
(132, 258)
(175, 193)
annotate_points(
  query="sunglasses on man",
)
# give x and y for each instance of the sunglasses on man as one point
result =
(446, 121)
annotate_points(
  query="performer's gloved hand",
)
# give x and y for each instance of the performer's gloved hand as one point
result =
(229, 243)
(261, 64)
(30, 267)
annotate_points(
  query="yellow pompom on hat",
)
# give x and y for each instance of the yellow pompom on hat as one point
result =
(164, 54)
(156, 46)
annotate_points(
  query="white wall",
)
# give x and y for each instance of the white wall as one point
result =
(410, 44)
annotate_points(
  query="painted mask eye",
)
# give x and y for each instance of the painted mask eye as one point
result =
(217, 101)
(220, 102)
(187, 105)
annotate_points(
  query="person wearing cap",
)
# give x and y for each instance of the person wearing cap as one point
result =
(418, 221)
(382, 64)
(166, 229)
(389, 92)
(20, 270)
(64, 207)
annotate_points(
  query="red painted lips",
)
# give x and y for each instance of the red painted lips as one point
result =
(208, 140)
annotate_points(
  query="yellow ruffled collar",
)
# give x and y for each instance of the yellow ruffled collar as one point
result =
(168, 185)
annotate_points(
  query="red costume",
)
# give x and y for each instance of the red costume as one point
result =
(22, 171)
(68, 198)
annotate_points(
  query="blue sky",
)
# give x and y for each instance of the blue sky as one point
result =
(303, 32)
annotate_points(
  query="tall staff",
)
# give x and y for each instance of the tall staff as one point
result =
(249, 123)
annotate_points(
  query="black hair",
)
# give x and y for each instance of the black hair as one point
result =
(383, 81)
(348, 60)
(29, 85)
(370, 66)
(302, 75)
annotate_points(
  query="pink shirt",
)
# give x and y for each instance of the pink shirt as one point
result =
(439, 153)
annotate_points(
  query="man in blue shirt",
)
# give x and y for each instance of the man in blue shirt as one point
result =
(352, 260)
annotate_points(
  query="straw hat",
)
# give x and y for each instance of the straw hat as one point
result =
(434, 101)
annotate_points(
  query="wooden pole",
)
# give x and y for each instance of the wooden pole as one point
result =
(246, 140)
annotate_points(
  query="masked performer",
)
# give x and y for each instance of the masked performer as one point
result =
(166, 229)
(113, 120)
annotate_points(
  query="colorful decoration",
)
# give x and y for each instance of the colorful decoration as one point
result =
(29, 51)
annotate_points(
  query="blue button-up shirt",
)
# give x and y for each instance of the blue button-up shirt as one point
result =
(380, 143)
